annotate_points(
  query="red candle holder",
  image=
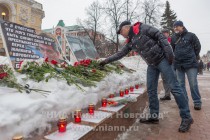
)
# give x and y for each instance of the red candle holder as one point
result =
(104, 102)
(62, 123)
(91, 109)
(111, 95)
(126, 91)
(77, 116)
(17, 138)
(131, 88)
(121, 93)
(137, 86)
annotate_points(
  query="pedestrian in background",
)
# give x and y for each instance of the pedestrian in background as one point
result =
(166, 86)
(201, 67)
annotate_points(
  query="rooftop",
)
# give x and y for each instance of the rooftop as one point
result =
(62, 24)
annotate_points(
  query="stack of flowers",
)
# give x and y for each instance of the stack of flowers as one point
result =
(7, 78)
(85, 72)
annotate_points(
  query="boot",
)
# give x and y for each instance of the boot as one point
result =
(165, 98)
(149, 120)
(185, 125)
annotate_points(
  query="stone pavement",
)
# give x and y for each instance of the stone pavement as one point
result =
(167, 129)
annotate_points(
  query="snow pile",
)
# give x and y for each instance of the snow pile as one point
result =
(23, 113)
(3, 60)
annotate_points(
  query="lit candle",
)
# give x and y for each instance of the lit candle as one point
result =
(126, 91)
(17, 138)
(62, 123)
(137, 86)
(131, 88)
(91, 109)
(104, 102)
(121, 93)
(77, 116)
(111, 95)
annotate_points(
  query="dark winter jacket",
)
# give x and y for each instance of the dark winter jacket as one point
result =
(186, 48)
(149, 42)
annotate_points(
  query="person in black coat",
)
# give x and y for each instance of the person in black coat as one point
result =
(200, 67)
(155, 49)
(186, 46)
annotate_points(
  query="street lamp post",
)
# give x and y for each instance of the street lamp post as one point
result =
(3, 15)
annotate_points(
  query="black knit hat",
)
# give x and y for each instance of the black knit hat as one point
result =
(178, 23)
(165, 31)
(123, 24)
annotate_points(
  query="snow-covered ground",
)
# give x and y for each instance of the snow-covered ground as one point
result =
(22, 113)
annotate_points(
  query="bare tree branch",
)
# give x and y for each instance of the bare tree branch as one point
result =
(115, 11)
(151, 11)
(92, 22)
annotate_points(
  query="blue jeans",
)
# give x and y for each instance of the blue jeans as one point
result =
(192, 78)
(152, 84)
(166, 85)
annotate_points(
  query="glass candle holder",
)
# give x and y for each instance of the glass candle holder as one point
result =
(111, 95)
(62, 123)
(121, 93)
(126, 91)
(91, 109)
(104, 102)
(77, 116)
(137, 86)
(131, 88)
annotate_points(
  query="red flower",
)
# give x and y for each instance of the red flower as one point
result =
(88, 61)
(2, 75)
(81, 62)
(86, 65)
(20, 63)
(94, 70)
(76, 64)
(54, 62)
(46, 59)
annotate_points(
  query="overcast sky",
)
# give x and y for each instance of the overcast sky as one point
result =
(194, 13)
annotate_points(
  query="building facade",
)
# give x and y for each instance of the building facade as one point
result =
(76, 30)
(25, 12)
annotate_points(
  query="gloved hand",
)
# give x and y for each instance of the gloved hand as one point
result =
(169, 54)
(103, 63)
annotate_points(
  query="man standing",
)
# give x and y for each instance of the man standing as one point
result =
(186, 49)
(166, 33)
(200, 67)
(208, 66)
(154, 48)
(166, 86)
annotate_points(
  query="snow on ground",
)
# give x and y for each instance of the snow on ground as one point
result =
(23, 113)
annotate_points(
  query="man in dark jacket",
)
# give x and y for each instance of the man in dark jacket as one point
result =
(186, 49)
(154, 48)
(200, 67)
(208, 66)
